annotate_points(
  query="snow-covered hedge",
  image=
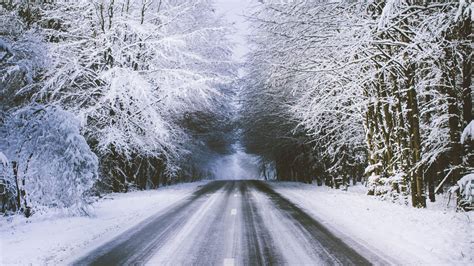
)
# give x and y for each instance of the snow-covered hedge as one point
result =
(468, 133)
(466, 189)
(7, 190)
(52, 164)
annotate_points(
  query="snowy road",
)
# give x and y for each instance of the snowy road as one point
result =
(228, 223)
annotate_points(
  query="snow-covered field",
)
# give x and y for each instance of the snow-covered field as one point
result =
(432, 236)
(54, 238)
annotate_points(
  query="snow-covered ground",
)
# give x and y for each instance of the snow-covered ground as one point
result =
(435, 235)
(54, 238)
(397, 233)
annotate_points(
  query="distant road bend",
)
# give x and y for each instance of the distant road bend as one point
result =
(229, 223)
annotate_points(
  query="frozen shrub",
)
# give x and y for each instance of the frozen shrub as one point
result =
(50, 160)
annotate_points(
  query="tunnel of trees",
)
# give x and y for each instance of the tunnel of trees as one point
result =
(374, 91)
(119, 95)
(101, 96)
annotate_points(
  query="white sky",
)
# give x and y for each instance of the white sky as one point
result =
(234, 11)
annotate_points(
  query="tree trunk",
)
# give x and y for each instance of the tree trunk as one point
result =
(418, 197)
(455, 155)
(465, 35)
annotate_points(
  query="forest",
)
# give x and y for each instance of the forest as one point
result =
(377, 91)
(109, 96)
(123, 95)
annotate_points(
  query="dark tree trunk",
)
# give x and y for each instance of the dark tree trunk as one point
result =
(465, 35)
(418, 197)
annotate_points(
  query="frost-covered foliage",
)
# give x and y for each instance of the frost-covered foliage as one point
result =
(134, 72)
(135, 67)
(467, 139)
(295, 70)
(468, 133)
(8, 195)
(51, 162)
(378, 85)
(466, 189)
(23, 58)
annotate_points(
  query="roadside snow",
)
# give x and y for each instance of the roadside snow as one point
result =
(409, 236)
(52, 238)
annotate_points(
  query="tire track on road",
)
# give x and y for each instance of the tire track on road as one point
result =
(258, 243)
(334, 248)
(138, 243)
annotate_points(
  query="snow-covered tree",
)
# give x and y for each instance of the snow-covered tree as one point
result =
(22, 58)
(51, 163)
(380, 85)
(133, 71)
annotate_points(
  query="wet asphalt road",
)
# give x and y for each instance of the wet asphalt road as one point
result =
(228, 223)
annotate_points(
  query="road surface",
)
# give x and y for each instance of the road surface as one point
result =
(228, 223)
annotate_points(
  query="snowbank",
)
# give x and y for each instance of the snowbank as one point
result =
(407, 235)
(52, 238)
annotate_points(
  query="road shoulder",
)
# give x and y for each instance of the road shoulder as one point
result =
(54, 237)
(402, 234)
